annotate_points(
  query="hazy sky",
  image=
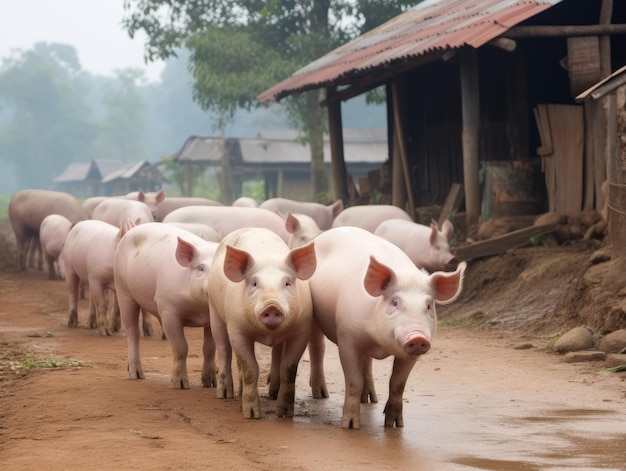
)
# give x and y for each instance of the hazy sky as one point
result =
(91, 26)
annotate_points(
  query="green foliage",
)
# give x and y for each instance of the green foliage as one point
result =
(241, 47)
(4, 207)
(32, 363)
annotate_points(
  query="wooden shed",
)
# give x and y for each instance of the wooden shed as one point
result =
(280, 160)
(474, 85)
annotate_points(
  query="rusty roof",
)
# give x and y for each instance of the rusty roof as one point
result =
(431, 27)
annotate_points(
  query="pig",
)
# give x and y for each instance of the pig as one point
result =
(368, 217)
(52, 234)
(163, 270)
(169, 204)
(117, 211)
(246, 202)
(258, 293)
(322, 214)
(150, 198)
(426, 246)
(372, 301)
(301, 228)
(230, 218)
(201, 230)
(87, 256)
(28, 208)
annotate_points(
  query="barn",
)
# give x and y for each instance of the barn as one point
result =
(481, 98)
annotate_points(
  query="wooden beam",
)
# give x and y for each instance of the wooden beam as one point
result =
(470, 104)
(453, 202)
(545, 31)
(337, 159)
(498, 245)
(398, 123)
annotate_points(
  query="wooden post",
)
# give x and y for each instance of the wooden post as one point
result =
(470, 103)
(338, 163)
(401, 143)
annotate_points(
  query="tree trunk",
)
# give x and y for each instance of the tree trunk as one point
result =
(226, 178)
(319, 175)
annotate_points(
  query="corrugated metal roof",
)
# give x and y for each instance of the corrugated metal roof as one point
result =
(281, 147)
(74, 172)
(126, 172)
(431, 27)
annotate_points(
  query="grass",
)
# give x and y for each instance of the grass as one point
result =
(32, 363)
(4, 207)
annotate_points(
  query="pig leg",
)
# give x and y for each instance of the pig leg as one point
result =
(351, 362)
(97, 296)
(369, 390)
(274, 377)
(294, 348)
(176, 335)
(52, 273)
(72, 282)
(317, 347)
(116, 322)
(248, 378)
(399, 375)
(209, 378)
(129, 310)
(146, 324)
(224, 353)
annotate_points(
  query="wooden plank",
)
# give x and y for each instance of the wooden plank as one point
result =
(453, 202)
(498, 245)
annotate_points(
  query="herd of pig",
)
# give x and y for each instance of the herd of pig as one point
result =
(286, 274)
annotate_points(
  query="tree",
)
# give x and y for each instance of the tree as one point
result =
(122, 128)
(45, 122)
(241, 47)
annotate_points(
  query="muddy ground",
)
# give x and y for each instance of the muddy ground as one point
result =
(475, 401)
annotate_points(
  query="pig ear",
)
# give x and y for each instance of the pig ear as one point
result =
(434, 230)
(291, 223)
(447, 229)
(378, 278)
(185, 252)
(160, 196)
(336, 207)
(141, 196)
(447, 285)
(304, 260)
(236, 262)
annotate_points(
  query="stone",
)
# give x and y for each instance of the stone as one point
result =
(579, 357)
(614, 342)
(614, 360)
(575, 340)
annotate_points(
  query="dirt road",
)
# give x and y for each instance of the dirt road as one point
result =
(473, 402)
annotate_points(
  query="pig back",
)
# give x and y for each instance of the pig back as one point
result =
(368, 217)
(226, 219)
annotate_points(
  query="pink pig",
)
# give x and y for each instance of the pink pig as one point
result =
(301, 228)
(164, 270)
(427, 246)
(117, 211)
(87, 256)
(258, 293)
(226, 219)
(369, 216)
(372, 301)
(322, 214)
(52, 234)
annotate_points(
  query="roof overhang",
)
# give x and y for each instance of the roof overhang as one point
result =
(416, 37)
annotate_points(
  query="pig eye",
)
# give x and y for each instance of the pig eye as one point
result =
(429, 306)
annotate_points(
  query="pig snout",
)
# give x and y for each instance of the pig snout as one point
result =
(272, 316)
(452, 264)
(416, 344)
